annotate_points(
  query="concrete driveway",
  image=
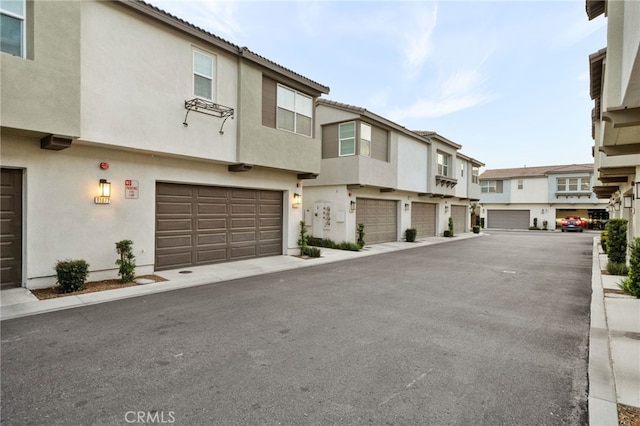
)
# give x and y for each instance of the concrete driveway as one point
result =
(489, 330)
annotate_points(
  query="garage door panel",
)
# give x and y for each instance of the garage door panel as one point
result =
(243, 252)
(174, 224)
(174, 260)
(212, 224)
(212, 193)
(212, 256)
(243, 237)
(177, 208)
(211, 239)
(178, 241)
(244, 222)
(243, 194)
(212, 209)
(180, 191)
(240, 209)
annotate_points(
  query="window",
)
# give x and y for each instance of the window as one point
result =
(204, 76)
(365, 139)
(12, 27)
(520, 184)
(347, 139)
(295, 111)
(577, 184)
(461, 169)
(489, 186)
(475, 171)
(444, 161)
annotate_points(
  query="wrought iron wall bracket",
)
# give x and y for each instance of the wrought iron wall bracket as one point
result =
(209, 108)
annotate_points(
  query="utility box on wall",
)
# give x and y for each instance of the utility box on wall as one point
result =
(321, 218)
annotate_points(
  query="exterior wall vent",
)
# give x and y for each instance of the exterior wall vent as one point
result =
(55, 142)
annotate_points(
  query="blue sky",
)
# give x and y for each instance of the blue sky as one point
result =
(508, 80)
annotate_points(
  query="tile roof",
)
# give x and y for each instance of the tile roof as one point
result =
(539, 171)
(162, 15)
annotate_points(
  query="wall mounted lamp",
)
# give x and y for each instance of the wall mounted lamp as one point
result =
(637, 186)
(616, 206)
(104, 196)
(407, 206)
(627, 200)
(297, 200)
(352, 207)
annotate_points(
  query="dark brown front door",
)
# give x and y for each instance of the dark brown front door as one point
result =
(199, 225)
(11, 228)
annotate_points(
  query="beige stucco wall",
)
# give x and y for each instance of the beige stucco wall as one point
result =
(42, 93)
(413, 162)
(265, 146)
(62, 221)
(136, 76)
(534, 190)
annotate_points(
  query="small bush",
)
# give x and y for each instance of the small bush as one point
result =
(450, 228)
(617, 268)
(632, 284)
(72, 275)
(544, 225)
(410, 234)
(303, 238)
(327, 243)
(348, 246)
(476, 229)
(617, 240)
(534, 228)
(448, 233)
(603, 241)
(361, 234)
(312, 252)
(127, 262)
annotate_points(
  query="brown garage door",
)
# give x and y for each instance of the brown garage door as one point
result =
(459, 215)
(199, 225)
(380, 218)
(508, 219)
(11, 228)
(423, 219)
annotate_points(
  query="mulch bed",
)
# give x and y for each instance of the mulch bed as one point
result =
(628, 416)
(91, 287)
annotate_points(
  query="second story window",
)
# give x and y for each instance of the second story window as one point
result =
(461, 169)
(577, 184)
(204, 76)
(444, 162)
(475, 171)
(491, 186)
(347, 139)
(12, 27)
(295, 111)
(520, 184)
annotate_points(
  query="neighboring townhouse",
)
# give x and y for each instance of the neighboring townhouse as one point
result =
(615, 89)
(120, 121)
(380, 174)
(514, 198)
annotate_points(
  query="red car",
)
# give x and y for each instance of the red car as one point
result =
(573, 223)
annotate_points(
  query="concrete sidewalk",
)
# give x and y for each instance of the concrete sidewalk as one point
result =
(614, 345)
(614, 340)
(19, 302)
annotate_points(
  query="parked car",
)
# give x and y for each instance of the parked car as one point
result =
(572, 223)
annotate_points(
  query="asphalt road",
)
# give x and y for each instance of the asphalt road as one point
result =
(490, 331)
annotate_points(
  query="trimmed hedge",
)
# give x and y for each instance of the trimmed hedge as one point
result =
(72, 275)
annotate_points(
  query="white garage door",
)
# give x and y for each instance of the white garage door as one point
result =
(380, 218)
(508, 219)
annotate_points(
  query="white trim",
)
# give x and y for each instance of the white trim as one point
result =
(294, 111)
(23, 27)
(212, 78)
(355, 139)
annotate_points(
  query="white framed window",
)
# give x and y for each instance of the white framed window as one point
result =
(347, 139)
(204, 75)
(475, 171)
(561, 184)
(489, 186)
(577, 184)
(461, 169)
(520, 184)
(365, 139)
(295, 111)
(444, 162)
(12, 27)
(585, 184)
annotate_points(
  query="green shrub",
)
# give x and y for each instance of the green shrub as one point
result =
(534, 228)
(535, 222)
(617, 268)
(348, 246)
(617, 240)
(448, 233)
(632, 284)
(361, 234)
(603, 240)
(544, 225)
(327, 243)
(303, 238)
(476, 229)
(410, 234)
(72, 275)
(450, 228)
(127, 261)
(312, 252)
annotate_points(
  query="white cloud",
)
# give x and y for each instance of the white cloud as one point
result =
(416, 39)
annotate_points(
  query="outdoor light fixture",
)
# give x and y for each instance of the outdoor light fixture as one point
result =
(407, 206)
(627, 200)
(297, 200)
(104, 196)
(352, 207)
(616, 206)
(637, 185)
